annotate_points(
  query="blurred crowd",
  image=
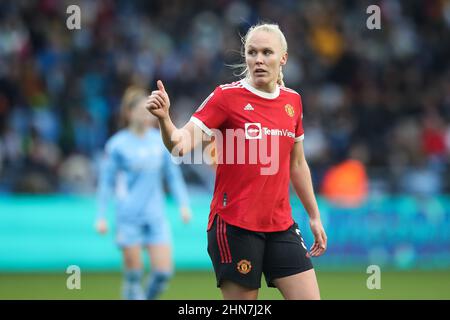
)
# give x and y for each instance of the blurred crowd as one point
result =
(381, 97)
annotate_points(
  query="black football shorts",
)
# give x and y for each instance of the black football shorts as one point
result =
(242, 256)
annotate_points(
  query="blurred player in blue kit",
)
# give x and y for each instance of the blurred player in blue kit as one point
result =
(134, 166)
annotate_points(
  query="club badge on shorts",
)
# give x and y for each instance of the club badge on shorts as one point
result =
(289, 110)
(244, 266)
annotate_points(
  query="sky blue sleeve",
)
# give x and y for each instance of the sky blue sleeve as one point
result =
(175, 181)
(107, 180)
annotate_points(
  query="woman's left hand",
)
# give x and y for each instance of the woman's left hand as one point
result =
(320, 238)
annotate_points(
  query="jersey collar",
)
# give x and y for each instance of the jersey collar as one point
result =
(260, 93)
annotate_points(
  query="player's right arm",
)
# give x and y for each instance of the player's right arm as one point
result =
(210, 115)
(178, 141)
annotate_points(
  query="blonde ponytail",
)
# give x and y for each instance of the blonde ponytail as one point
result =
(280, 80)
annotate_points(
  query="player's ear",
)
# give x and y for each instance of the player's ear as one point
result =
(284, 59)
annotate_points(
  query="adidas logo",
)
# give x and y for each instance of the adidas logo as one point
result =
(248, 107)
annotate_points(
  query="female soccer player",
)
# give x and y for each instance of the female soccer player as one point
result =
(250, 229)
(137, 153)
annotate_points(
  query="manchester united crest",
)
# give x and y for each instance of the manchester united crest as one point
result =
(244, 266)
(289, 110)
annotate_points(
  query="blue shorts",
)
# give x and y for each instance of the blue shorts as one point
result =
(133, 234)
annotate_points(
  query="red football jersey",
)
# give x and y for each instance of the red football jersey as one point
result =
(255, 132)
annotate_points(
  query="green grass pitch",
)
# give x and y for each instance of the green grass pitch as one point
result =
(201, 285)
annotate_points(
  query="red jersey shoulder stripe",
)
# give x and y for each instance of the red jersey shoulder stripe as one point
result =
(289, 90)
(233, 85)
(230, 84)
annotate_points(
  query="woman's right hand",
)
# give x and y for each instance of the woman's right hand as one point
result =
(101, 226)
(186, 215)
(158, 102)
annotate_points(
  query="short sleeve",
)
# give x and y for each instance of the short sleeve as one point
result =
(299, 132)
(212, 112)
(112, 150)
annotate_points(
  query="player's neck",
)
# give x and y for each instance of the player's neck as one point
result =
(269, 87)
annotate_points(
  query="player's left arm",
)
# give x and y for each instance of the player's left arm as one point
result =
(177, 187)
(302, 183)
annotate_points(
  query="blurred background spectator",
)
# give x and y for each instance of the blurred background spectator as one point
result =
(382, 95)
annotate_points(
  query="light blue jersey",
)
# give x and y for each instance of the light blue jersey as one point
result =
(133, 172)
